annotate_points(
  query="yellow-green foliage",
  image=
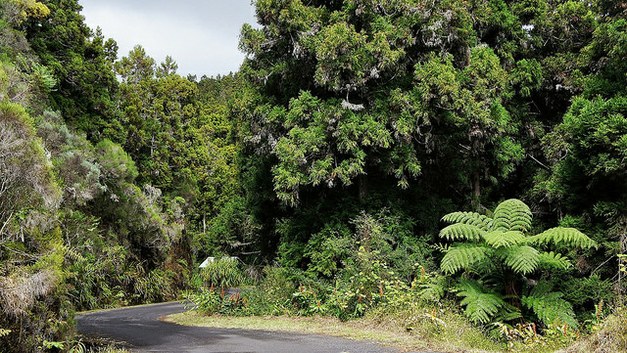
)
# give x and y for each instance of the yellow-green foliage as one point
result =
(32, 8)
(28, 178)
(440, 328)
(4, 80)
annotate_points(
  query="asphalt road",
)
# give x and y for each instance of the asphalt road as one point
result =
(142, 330)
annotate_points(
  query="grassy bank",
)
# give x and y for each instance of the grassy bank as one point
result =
(446, 333)
(610, 336)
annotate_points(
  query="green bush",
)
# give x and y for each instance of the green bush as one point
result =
(273, 293)
(349, 272)
(206, 302)
(222, 274)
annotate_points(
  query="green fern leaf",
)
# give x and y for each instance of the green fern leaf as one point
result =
(511, 314)
(522, 259)
(461, 231)
(498, 239)
(471, 218)
(481, 304)
(434, 289)
(554, 260)
(550, 308)
(463, 257)
(563, 236)
(512, 215)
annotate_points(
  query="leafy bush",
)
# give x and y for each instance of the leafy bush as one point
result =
(113, 278)
(349, 272)
(218, 278)
(384, 257)
(273, 293)
(588, 295)
(207, 301)
(222, 274)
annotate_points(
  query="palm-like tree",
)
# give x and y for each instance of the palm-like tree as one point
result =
(501, 268)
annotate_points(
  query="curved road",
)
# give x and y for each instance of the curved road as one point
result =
(141, 328)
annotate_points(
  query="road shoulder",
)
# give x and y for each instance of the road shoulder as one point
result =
(353, 330)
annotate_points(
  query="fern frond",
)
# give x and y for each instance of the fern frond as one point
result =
(512, 215)
(563, 236)
(443, 248)
(512, 313)
(462, 257)
(550, 308)
(481, 304)
(434, 289)
(471, 218)
(554, 260)
(498, 239)
(522, 259)
(459, 231)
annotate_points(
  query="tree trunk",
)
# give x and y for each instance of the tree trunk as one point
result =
(476, 191)
(622, 260)
(362, 184)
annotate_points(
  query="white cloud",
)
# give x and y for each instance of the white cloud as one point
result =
(201, 36)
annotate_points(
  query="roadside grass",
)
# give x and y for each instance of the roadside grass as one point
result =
(424, 331)
(98, 345)
(111, 350)
(610, 336)
(103, 310)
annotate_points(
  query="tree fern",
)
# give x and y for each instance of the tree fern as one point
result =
(563, 236)
(471, 218)
(499, 251)
(463, 257)
(512, 215)
(481, 304)
(461, 231)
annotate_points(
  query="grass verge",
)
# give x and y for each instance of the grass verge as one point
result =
(97, 345)
(358, 329)
(610, 336)
(423, 331)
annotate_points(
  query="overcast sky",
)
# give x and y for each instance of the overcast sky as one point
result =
(201, 35)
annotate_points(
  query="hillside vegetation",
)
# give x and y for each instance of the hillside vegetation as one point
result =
(431, 164)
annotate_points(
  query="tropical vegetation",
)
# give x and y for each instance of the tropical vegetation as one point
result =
(457, 162)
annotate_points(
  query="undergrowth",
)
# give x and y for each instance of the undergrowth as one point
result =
(608, 336)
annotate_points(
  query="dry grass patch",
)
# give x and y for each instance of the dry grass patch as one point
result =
(611, 337)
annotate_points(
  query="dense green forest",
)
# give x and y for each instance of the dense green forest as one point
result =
(461, 154)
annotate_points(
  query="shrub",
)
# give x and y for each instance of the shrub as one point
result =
(223, 274)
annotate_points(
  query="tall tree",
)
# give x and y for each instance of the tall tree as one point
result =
(587, 151)
(82, 61)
